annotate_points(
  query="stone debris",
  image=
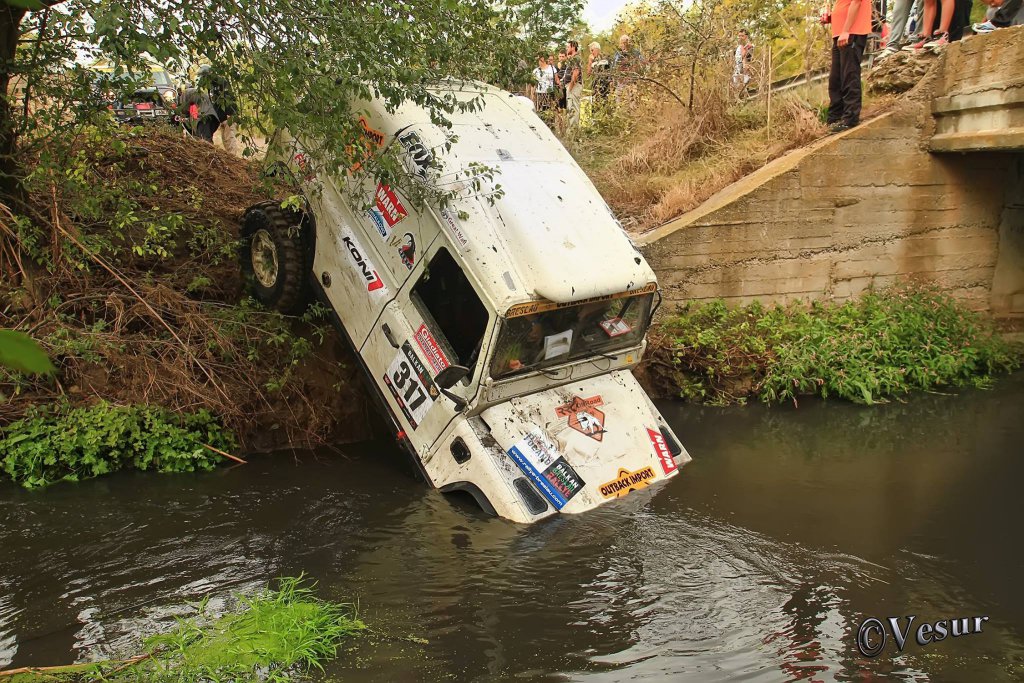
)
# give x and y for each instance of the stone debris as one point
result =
(900, 72)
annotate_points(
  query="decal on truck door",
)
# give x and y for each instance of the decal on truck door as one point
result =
(419, 155)
(411, 385)
(362, 264)
(389, 206)
(431, 349)
(540, 460)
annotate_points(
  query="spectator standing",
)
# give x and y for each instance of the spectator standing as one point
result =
(1000, 14)
(624, 65)
(929, 37)
(599, 69)
(573, 79)
(742, 58)
(544, 76)
(851, 24)
(898, 28)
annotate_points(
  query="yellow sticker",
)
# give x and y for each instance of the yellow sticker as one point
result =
(627, 481)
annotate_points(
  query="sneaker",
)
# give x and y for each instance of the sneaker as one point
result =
(938, 41)
(839, 127)
(985, 27)
(916, 43)
(889, 51)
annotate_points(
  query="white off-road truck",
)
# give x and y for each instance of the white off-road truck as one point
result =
(498, 331)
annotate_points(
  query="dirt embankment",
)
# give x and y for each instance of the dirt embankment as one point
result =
(128, 276)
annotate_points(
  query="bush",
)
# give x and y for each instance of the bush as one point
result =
(883, 344)
(80, 443)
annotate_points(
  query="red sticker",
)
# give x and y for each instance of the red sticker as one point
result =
(668, 464)
(584, 416)
(431, 349)
(389, 205)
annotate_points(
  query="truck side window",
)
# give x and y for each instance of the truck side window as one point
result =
(449, 301)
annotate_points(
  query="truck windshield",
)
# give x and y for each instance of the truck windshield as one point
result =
(569, 333)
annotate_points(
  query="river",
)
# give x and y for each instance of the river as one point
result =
(759, 562)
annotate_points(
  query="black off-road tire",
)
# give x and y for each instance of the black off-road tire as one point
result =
(276, 257)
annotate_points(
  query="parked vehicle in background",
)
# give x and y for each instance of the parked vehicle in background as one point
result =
(499, 330)
(136, 99)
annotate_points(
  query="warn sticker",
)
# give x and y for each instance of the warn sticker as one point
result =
(362, 265)
(389, 205)
(627, 482)
(431, 349)
(668, 464)
(584, 416)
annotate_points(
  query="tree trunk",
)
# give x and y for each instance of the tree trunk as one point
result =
(10, 21)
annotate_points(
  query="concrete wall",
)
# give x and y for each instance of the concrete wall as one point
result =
(869, 206)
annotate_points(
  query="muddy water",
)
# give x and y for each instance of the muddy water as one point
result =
(758, 563)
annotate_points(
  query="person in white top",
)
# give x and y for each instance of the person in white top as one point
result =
(544, 77)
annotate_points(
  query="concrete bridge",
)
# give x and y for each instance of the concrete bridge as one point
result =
(932, 191)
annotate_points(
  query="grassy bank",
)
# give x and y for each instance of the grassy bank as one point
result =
(120, 259)
(883, 345)
(277, 636)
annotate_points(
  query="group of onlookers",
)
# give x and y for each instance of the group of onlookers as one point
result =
(938, 23)
(559, 82)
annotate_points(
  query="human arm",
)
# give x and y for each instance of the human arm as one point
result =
(851, 16)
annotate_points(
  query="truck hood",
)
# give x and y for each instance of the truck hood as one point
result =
(586, 443)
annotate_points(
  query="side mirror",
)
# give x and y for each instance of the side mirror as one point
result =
(450, 376)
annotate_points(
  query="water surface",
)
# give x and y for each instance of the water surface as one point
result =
(757, 563)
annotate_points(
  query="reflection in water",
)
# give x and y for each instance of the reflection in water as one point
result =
(788, 529)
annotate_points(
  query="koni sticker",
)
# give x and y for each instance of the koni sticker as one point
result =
(668, 463)
(548, 469)
(419, 156)
(531, 307)
(362, 264)
(411, 385)
(431, 349)
(407, 251)
(627, 482)
(584, 416)
(389, 205)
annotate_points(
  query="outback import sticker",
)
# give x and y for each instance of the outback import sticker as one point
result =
(411, 385)
(668, 463)
(627, 481)
(584, 416)
(362, 264)
(548, 469)
(431, 349)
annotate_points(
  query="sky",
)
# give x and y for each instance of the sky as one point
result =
(600, 14)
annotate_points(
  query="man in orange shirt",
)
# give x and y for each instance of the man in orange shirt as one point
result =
(851, 24)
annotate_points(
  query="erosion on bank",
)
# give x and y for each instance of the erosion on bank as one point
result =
(121, 260)
(277, 635)
(883, 344)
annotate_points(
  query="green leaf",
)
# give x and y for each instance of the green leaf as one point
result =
(19, 352)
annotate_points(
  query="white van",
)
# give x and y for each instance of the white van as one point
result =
(498, 332)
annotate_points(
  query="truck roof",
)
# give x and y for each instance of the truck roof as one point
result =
(547, 234)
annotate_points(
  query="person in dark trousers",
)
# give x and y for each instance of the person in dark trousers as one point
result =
(851, 24)
(208, 104)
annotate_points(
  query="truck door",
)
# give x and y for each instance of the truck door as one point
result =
(437, 320)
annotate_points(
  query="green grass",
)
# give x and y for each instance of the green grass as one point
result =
(277, 636)
(884, 344)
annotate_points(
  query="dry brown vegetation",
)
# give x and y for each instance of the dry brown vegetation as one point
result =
(658, 159)
(136, 306)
